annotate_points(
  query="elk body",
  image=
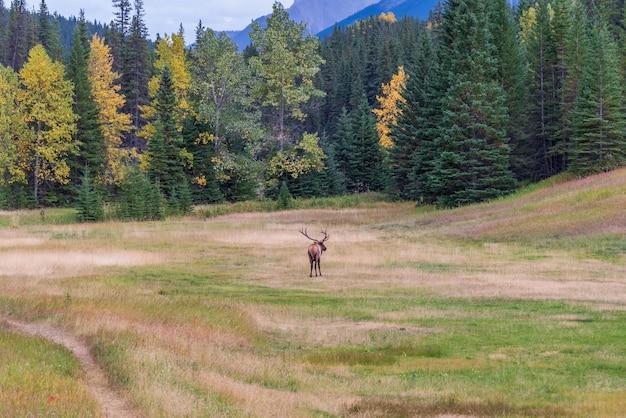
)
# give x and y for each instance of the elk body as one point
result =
(315, 252)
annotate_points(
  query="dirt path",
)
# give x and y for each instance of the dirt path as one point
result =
(111, 403)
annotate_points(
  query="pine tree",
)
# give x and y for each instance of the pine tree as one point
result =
(342, 150)
(164, 156)
(365, 167)
(3, 32)
(599, 142)
(541, 53)
(92, 153)
(200, 173)
(170, 53)
(46, 34)
(473, 160)
(90, 205)
(118, 32)
(18, 40)
(139, 199)
(512, 74)
(135, 69)
(413, 153)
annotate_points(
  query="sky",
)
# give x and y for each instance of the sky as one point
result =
(165, 16)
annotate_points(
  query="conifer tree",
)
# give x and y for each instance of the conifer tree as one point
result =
(164, 157)
(342, 150)
(365, 166)
(171, 53)
(541, 54)
(89, 136)
(412, 155)
(598, 140)
(512, 74)
(473, 161)
(139, 199)
(89, 203)
(118, 31)
(135, 69)
(18, 40)
(46, 33)
(3, 32)
(200, 172)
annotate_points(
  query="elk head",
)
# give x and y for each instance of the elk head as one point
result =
(315, 252)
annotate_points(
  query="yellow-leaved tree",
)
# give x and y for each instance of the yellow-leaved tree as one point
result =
(387, 114)
(46, 101)
(171, 53)
(388, 17)
(304, 157)
(114, 123)
(11, 127)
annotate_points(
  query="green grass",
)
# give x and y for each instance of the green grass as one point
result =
(337, 202)
(49, 216)
(39, 378)
(415, 315)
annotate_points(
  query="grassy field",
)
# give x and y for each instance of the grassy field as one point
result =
(515, 308)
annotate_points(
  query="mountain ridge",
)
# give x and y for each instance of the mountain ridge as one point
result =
(315, 13)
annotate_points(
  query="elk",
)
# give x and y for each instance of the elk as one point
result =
(315, 252)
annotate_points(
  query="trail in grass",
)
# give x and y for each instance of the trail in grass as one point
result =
(111, 403)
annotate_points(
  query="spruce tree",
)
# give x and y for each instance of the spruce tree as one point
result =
(47, 32)
(413, 152)
(366, 165)
(18, 39)
(165, 161)
(598, 141)
(3, 32)
(342, 148)
(118, 31)
(541, 53)
(473, 162)
(512, 75)
(92, 153)
(201, 171)
(89, 203)
(135, 69)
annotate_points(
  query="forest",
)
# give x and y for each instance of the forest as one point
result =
(465, 107)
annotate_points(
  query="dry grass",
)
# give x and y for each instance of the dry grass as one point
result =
(216, 317)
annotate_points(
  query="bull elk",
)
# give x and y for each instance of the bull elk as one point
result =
(315, 251)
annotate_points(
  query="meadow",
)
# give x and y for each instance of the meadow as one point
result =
(513, 308)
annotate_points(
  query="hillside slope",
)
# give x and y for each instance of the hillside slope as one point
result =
(555, 208)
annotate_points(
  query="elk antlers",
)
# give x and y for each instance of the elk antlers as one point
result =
(326, 236)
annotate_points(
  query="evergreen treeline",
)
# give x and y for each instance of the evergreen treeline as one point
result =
(454, 110)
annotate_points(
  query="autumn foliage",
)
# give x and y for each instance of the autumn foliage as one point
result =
(387, 114)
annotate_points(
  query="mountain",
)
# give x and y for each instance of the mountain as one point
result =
(400, 8)
(321, 16)
(317, 14)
